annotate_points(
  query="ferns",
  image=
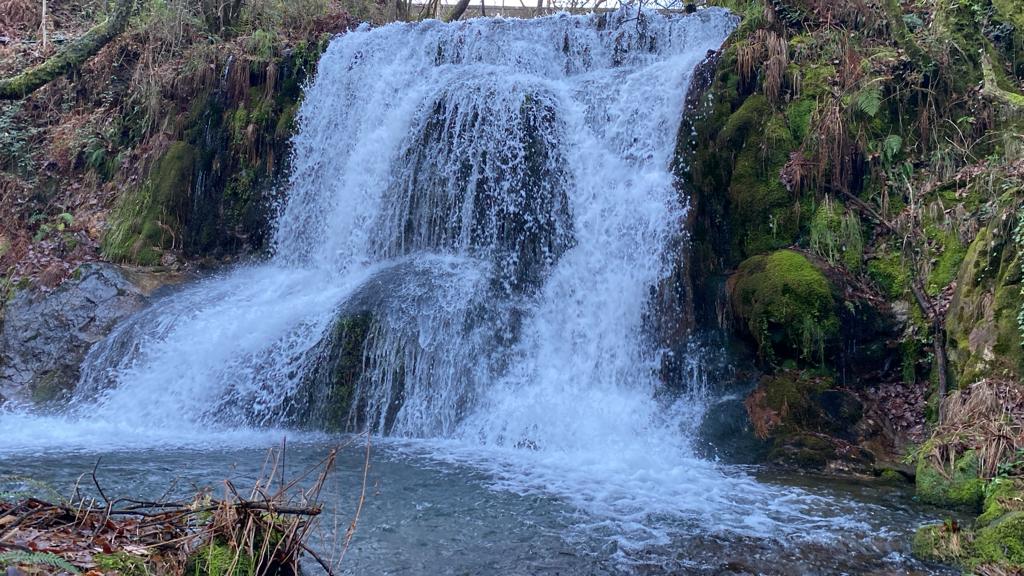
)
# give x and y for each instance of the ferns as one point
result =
(16, 557)
(891, 147)
(869, 101)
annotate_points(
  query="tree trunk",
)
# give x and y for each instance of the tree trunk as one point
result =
(458, 11)
(42, 25)
(69, 57)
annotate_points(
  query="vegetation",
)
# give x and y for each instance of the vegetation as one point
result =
(857, 174)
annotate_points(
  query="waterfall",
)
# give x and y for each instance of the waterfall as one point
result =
(486, 205)
(478, 216)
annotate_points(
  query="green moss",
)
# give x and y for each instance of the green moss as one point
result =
(1001, 542)
(121, 563)
(816, 80)
(893, 476)
(836, 235)
(785, 303)
(345, 367)
(802, 450)
(764, 214)
(146, 221)
(791, 392)
(219, 559)
(798, 117)
(1002, 495)
(940, 543)
(890, 273)
(746, 121)
(951, 254)
(981, 326)
(960, 487)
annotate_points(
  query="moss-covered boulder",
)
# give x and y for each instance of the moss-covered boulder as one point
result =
(942, 543)
(327, 396)
(959, 487)
(807, 421)
(1002, 496)
(764, 214)
(785, 304)
(1001, 542)
(982, 326)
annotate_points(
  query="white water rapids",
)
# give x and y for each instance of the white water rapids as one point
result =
(498, 195)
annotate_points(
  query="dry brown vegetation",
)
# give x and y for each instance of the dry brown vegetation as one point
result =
(68, 152)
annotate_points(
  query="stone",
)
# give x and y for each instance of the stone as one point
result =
(46, 334)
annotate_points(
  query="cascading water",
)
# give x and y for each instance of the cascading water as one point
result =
(488, 204)
(495, 196)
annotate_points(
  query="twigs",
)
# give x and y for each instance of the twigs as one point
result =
(359, 507)
(264, 532)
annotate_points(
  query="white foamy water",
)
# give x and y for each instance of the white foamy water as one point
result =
(497, 195)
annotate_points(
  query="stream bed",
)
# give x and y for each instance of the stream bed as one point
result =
(441, 508)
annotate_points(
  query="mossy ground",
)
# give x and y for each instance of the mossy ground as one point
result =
(960, 486)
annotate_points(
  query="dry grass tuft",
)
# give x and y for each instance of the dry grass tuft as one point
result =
(988, 418)
(19, 17)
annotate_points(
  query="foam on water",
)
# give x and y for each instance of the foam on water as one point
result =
(498, 194)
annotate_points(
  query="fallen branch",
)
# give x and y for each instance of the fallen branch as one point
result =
(69, 57)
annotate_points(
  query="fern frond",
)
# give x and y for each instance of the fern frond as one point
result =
(869, 101)
(18, 557)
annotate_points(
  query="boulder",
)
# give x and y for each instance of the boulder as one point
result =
(785, 304)
(46, 334)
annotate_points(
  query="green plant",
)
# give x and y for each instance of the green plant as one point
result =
(1012, 467)
(836, 235)
(60, 223)
(18, 557)
(868, 101)
(121, 563)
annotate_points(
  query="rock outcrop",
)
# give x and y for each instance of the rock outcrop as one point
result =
(45, 335)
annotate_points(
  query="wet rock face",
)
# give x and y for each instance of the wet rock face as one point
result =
(45, 336)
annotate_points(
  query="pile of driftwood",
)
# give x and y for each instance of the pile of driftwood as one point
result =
(262, 532)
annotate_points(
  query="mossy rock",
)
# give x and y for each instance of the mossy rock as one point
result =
(890, 273)
(1001, 542)
(54, 386)
(147, 219)
(1002, 496)
(765, 215)
(803, 450)
(958, 488)
(941, 543)
(806, 420)
(785, 304)
(329, 391)
(982, 329)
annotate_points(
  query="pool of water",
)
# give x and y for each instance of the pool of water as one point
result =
(433, 508)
